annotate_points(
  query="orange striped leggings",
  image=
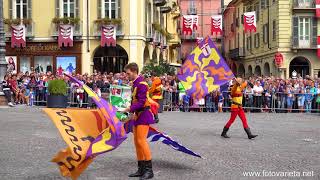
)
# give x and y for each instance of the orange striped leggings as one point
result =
(140, 133)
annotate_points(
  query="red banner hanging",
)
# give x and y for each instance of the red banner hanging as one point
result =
(216, 24)
(190, 23)
(108, 35)
(65, 37)
(18, 36)
(249, 22)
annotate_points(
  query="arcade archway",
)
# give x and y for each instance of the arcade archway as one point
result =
(301, 65)
(110, 59)
(257, 71)
(266, 69)
(241, 71)
(249, 70)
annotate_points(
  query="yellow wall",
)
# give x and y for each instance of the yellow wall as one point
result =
(134, 40)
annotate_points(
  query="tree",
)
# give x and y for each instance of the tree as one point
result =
(160, 69)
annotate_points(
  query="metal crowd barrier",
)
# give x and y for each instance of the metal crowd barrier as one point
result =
(276, 102)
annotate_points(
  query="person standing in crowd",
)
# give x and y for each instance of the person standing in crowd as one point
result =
(309, 98)
(155, 93)
(6, 90)
(249, 98)
(301, 99)
(236, 108)
(289, 98)
(140, 106)
(257, 95)
(318, 98)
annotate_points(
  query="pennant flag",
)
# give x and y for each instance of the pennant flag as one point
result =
(65, 37)
(18, 36)
(87, 133)
(216, 24)
(204, 70)
(154, 135)
(250, 24)
(189, 24)
(108, 35)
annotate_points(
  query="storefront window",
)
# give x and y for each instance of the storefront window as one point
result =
(24, 64)
(43, 64)
(66, 65)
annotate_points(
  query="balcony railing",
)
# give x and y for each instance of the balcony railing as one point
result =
(159, 2)
(236, 54)
(29, 29)
(304, 4)
(191, 37)
(77, 29)
(304, 44)
(97, 30)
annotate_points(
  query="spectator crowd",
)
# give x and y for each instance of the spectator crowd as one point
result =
(263, 94)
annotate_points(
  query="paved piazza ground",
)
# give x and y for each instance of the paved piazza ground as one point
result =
(287, 143)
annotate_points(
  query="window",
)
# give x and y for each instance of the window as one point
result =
(20, 9)
(67, 8)
(257, 7)
(263, 4)
(274, 30)
(265, 33)
(304, 28)
(110, 9)
(249, 43)
(257, 40)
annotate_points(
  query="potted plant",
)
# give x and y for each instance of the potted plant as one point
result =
(57, 97)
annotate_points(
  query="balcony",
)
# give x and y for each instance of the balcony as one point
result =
(192, 37)
(304, 5)
(97, 30)
(77, 30)
(159, 3)
(192, 11)
(304, 44)
(165, 9)
(236, 54)
(29, 28)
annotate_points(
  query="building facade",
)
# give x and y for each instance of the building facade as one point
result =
(204, 9)
(146, 30)
(286, 30)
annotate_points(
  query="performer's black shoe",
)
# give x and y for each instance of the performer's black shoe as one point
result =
(156, 118)
(140, 171)
(148, 173)
(224, 132)
(250, 135)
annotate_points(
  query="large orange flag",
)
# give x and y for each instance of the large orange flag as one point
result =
(78, 128)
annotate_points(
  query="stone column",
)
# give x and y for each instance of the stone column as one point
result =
(3, 63)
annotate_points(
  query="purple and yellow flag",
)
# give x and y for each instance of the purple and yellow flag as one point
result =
(87, 133)
(204, 70)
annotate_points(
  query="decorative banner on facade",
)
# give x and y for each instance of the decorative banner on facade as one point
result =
(18, 36)
(318, 47)
(108, 35)
(318, 8)
(216, 24)
(65, 37)
(204, 70)
(120, 98)
(249, 22)
(190, 23)
(11, 64)
(278, 59)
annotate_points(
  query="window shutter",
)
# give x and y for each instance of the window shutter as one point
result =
(257, 11)
(57, 8)
(263, 4)
(29, 13)
(10, 9)
(77, 8)
(314, 32)
(99, 9)
(119, 9)
(295, 36)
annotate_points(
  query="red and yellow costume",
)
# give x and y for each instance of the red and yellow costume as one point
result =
(236, 109)
(156, 94)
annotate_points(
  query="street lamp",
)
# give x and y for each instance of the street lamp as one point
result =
(3, 63)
